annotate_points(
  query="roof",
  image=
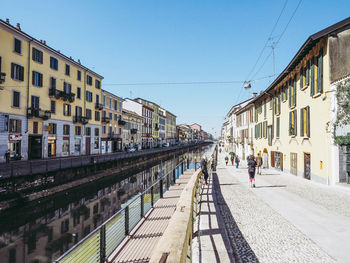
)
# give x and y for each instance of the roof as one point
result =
(112, 94)
(131, 112)
(43, 45)
(147, 101)
(308, 44)
(238, 105)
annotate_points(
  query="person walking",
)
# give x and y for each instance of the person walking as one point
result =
(259, 163)
(251, 170)
(226, 160)
(204, 164)
(232, 159)
(237, 161)
(7, 156)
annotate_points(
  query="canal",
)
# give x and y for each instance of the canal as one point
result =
(42, 231)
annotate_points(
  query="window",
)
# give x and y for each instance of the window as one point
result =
(53, 106)
(52, 83)
(293, 123)
(278, 102)
(88, 114)
(78, 130)
(97, 84)
(97, 116)
(53, 128)
(78, 111)
(16, 99)
(110, 103)
(66, 129)
(88, 131)
(64, 226)
(115, 105)
(120, 106)
(285, 92)
(88, 96)
(265, 108)
(97, 132)
(17, 72)
(305, 122)
(104, 100)
(37, 79)
(97, 98)
(104, 129)
(302, 78)
(12, 255)
(53, 63)
(317, 74)
(17, 46)
(79, 75)
(67, 70)
(15, 126)
(78, 92)
(292, 92)
(67, 88)
(35, 127)
(307, 73)
(89, 80)
(110, 116)
(278, 127)
(37, 55)
(115, 117)
(35, 102)
(66, 109)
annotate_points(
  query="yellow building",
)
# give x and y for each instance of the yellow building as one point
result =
(170, 126)
(132, 129)
(112, 123)
(293, 115)
(47, 99)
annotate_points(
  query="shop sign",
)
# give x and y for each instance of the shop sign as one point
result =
(15, 137)
(50, 138)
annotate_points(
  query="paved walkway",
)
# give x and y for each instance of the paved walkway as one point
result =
(283, 219)
(138, 247)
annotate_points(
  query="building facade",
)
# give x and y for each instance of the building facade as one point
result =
(132, 129)
(46, 107)
(170, 132)
(162, 125)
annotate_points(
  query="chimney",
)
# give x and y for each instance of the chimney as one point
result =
(18, 26)
(7, 21)
(254, 94)
(79, 61)
(44, 42)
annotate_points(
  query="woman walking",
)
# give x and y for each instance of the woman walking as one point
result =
(226, 160)
(251, 170)
(232, 159)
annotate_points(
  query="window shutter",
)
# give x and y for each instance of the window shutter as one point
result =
(308, 121)
(21, 73)
(320, 72)
(290, 123)
(33, 77)
(40, 80)
(307, 73)
(295, 91)
(33, 53)
(33, 105)
(289, 91)
(295, 122)
(18, 126)
(301, 122)
(12, 70)
(41, 57)
(312, 77)
(301, 78)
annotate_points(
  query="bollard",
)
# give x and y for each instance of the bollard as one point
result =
(174, 176)
(161, 187)
(142, 205)
(152, 198)
(103, 244)
(126, 220)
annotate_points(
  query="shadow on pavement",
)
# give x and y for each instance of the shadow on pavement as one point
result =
(242, 252)
(267, 186)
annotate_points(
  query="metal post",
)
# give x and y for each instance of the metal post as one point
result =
(152, 198)
(161, 187)
(142, 205)
(174, 176)
(103, 244)
(188, 162)
(126, 220)
(182, 168)
(167, 182)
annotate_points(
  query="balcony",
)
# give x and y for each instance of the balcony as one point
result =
(98, 106)
(80, 119)
(38, 113)
(113, 135)
(133, 131)
(105, 120)
(59, 94)
(121, 122)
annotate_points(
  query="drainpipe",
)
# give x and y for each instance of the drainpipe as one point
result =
(28, 81)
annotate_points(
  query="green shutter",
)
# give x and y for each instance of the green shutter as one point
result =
(278, 127)
(295, 91)
(279, 102)
(320, 72)
(301, 78)
(312, 77)
(308, 121)
(295, 122)
(289, 93)
(290, 123)
(307, 73)
(301, 122)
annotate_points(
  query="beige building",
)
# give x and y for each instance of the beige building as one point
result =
(132, 129)
(170, 126)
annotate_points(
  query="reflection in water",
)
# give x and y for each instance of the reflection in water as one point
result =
(45, 238)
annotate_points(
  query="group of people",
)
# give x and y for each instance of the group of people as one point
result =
(254, 163)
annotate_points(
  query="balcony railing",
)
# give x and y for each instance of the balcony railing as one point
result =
(121, 122)
(113, 135)
(59, 94)
(98, 106)
(105, 120)
(80, 119)
(38, 113)
(133, 131)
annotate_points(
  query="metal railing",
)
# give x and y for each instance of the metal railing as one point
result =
(102, 242)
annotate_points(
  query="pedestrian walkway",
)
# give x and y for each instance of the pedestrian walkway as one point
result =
(283, 219)
(139, 245)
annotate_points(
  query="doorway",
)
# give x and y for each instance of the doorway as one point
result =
(307, 166)
(35, 147)
(88, 145)
(293, 163)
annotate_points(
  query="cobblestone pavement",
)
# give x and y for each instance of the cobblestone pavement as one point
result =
(257, 231)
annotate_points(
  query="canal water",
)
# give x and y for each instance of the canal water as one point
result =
(44, 231)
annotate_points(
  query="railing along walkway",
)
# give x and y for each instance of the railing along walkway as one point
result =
(138, 247)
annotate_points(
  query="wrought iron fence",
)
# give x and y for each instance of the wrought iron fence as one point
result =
(101, 243)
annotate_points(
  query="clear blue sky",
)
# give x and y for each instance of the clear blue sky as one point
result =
(176, 41)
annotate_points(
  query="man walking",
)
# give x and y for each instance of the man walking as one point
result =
(204, 164)
(237, 161)
(259, 163)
